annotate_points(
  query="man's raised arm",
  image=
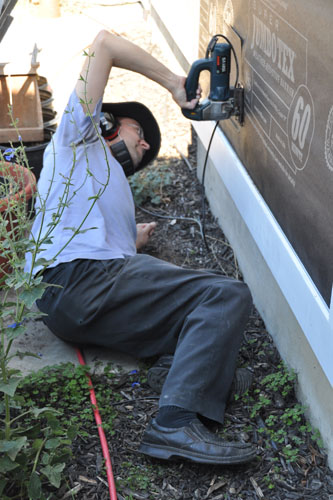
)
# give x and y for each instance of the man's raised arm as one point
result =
(109, 50)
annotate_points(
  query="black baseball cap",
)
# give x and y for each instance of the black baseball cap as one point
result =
(139, 112)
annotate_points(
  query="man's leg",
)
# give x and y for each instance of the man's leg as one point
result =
(207, 348)
(145, 306)
(157, 374)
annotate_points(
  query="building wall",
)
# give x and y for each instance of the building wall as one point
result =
(290, 288)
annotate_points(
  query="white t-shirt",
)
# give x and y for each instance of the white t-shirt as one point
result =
(76, 153)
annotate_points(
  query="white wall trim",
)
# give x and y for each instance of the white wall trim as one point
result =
(309, 308)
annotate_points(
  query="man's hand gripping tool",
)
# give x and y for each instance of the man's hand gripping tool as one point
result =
(223, 101)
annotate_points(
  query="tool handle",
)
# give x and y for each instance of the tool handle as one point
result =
(191, 85)
(192, 80)
(218, 66)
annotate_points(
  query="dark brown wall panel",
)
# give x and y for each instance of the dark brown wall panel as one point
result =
(285, 48)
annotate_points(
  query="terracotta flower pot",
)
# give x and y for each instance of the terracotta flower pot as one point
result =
(25, 185)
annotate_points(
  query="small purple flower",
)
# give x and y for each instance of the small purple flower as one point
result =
(9, 154)
(136, 384)
(15, 325)
(133, 372)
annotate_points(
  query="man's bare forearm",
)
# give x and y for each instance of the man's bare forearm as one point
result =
(108, 50)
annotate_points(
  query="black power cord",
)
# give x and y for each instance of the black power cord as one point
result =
(210, 48)
(201, 222)
(203, 201)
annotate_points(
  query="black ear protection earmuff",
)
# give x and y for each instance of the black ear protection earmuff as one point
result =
(110, 130)
(109, 126)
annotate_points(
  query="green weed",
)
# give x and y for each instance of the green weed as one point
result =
(285, 429)
(148, 184)
(281, 381)
(33, 449)
(138, 478)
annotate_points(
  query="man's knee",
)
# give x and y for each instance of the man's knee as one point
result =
(245, 293)
(238, 295)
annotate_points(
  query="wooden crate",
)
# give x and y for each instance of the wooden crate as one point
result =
(22, 91)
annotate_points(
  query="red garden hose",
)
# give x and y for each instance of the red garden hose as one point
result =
(104, 444)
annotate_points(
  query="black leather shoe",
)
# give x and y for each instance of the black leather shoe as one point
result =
(193, 442)
(158, 373)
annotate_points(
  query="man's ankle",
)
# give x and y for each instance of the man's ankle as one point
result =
(174, 417)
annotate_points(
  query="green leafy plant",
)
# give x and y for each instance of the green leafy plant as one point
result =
(269, 483)
(34, 454)
(148, 184)
(281, 381)
(65, 387)
(138, 479)
(262, 402)
(26, 464)
(292, 415)
(290, 453)
(316, 437)
(284, 429)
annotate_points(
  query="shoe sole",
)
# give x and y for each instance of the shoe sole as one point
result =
(168, 453)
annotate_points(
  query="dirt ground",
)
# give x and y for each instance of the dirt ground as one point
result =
(290, 463)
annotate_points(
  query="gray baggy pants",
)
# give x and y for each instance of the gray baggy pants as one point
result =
(145, 306)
